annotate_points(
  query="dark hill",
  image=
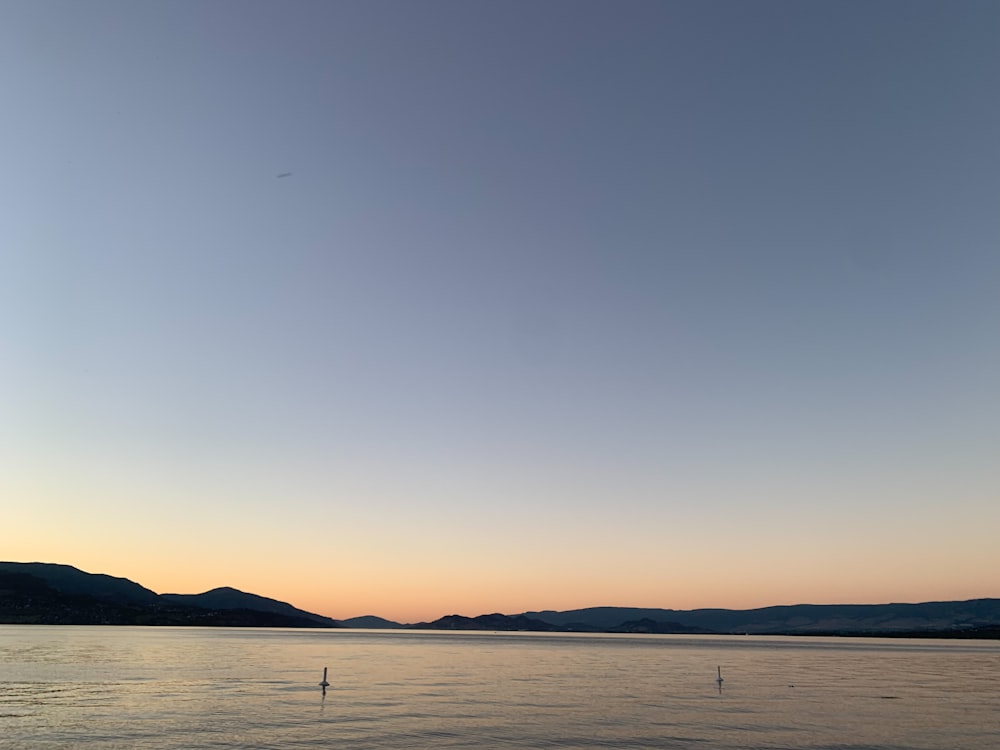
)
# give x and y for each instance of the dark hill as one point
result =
(47, 593)
(29, 600)
(230, 598)
(495, 621)
(69, 580)
(798, 619)
(369, 621)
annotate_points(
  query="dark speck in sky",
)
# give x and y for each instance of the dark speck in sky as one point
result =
(284, 174)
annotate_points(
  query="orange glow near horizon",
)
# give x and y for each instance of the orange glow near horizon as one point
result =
(414, 598)
(425, 567)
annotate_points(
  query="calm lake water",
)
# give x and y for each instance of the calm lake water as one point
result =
(173, 688)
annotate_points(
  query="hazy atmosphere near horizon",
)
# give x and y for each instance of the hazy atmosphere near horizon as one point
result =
(413, 308)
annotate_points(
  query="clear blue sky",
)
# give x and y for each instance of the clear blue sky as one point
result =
(564, 303)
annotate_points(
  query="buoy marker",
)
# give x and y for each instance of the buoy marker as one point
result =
(324, 684)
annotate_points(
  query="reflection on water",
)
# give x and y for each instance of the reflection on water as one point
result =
(171, 688)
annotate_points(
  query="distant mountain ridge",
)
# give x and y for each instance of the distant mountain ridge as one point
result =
(974, 618)
(370, 622)
(795, 619)
(70, 580)
(230, 598)
(495, 621)
(50, 593)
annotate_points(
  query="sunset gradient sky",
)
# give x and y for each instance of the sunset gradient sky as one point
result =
(565, 303)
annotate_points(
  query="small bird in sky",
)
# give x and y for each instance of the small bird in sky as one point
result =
(284, 174)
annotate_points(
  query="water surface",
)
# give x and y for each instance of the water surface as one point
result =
(173, 688)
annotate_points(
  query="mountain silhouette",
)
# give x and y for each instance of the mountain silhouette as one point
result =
(230, 598)
(796, 619)
(51, 593)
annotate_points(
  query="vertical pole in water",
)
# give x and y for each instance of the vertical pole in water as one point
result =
(718, 671)
(324, 684)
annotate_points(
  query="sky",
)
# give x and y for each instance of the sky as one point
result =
(563, 304)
